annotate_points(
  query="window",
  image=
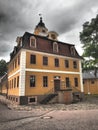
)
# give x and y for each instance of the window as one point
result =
(72, 49)
(53, 36)
(43, 30)
(92, 82)
(13, 66)
(16, 99)
(10, 84)
(66, 63)
(56, 62)
(14, 82)
(15, 62)
(45, 81)
(19, 60)
(17, 81)
(32, 81)
(67, 82)
(74, 64)
(33, 42)
(32, 100)
(45, 60)
(83, 82)
(76, 82)
(33, 59)
(55, 47)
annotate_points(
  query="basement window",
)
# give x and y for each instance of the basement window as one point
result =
(31, 100)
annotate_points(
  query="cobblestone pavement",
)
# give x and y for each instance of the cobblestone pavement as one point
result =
(78, 116)
(90, 102)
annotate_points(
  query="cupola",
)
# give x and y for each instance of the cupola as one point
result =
(41, 29)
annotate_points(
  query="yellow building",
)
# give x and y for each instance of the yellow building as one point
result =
(41, 65)
(90, 82)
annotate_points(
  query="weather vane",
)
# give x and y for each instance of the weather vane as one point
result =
(40, 15)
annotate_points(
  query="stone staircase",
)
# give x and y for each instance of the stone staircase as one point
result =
(48, 98)
(77, 95)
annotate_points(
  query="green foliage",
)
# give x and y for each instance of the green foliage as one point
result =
(3, 67)
(89, 39)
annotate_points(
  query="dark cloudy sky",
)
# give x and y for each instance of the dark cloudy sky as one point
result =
(66, 17)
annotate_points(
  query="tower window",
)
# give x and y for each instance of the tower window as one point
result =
(43, 31)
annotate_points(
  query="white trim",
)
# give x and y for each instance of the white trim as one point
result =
(22, 73)
(48, 54)
(81, 80)
(14, 74)
(51, 71)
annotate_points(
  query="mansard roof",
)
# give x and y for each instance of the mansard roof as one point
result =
(44, 44)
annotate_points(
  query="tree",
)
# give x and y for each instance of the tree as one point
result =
(3, 67)
(89, 39)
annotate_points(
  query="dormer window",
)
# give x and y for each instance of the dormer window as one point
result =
(53, 36)
(19, 41)
(72, 49)
(33, 42)
(55, 47)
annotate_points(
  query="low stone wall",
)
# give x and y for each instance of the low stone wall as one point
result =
(65, 96)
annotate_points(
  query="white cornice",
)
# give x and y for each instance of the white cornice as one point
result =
(48, 54)
(14, 74)
(51, 71)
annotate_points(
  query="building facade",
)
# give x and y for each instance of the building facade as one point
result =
(41, 65)
(90, 82)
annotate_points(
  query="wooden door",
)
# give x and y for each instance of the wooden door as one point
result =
(56, 85)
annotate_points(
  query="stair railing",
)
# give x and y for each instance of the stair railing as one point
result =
(51, 91)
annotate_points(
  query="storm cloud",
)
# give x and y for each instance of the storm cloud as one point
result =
(63, 16)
